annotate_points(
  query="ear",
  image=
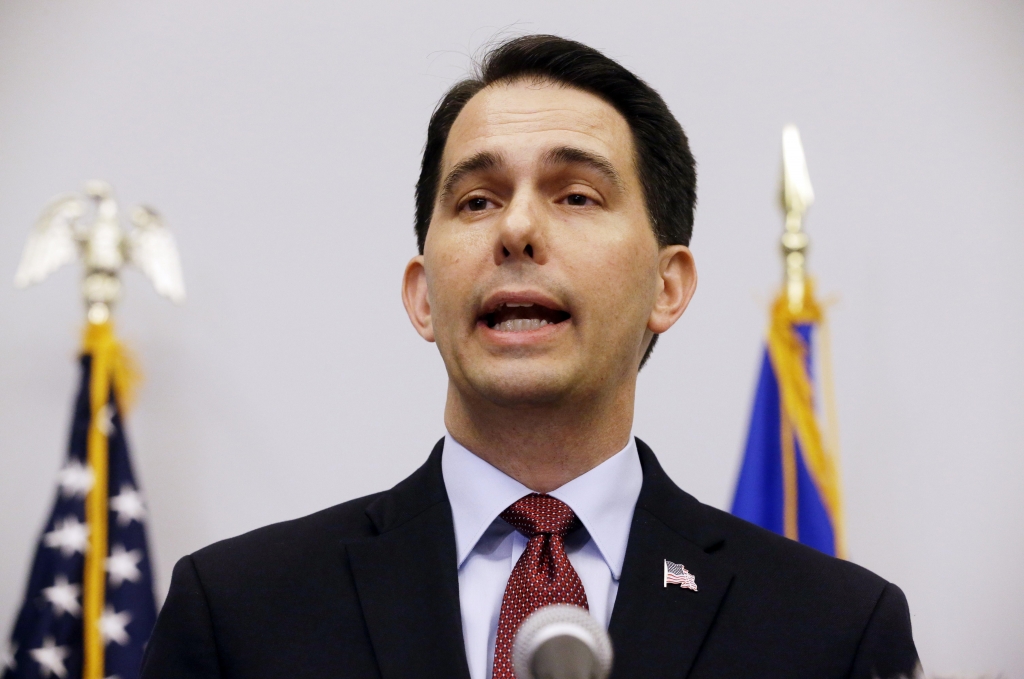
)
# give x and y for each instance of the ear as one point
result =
(678, 280)
(415, 298)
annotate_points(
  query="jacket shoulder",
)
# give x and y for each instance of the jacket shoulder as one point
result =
(752, 550)
(850, 622)
(288, 543)
(310, 549)
(277, 601)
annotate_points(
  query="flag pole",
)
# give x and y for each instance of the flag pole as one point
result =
(99, 345)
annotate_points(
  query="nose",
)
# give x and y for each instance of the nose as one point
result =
(521, 233)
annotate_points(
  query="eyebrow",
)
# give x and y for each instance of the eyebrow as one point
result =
(570, 155)
(563, 155)
(485, 160)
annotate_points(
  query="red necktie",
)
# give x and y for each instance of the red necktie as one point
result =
(543, 574)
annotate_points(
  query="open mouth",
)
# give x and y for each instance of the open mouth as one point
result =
(522, 317)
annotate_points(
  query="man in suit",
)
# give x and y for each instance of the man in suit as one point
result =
(553, 212)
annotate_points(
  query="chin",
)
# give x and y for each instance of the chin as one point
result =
(522, 387)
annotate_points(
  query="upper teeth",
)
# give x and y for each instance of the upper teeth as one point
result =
(518, 304)
(520, 325)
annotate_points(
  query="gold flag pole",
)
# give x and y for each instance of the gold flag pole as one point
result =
(796, 196)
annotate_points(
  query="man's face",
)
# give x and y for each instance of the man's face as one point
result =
(541, 276)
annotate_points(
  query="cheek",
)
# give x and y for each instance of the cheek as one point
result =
(450, 276)
(621, 279)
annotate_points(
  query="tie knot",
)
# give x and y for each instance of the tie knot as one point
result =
(538, 514)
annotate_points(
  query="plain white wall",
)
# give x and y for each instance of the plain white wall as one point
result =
(281, 141)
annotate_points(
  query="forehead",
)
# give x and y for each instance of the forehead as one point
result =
(526, 117)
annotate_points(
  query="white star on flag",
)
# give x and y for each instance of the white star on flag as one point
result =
(112, 626)
(75, 479)
(122, 565)
(105, 419)
(51, 658)
(7, 657)
(69, 536)
(63, 597)
(128, 506)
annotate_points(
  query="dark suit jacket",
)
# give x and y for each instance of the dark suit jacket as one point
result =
(369, 589)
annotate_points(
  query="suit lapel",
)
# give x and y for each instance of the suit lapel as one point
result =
(654, 627)
(407, 580)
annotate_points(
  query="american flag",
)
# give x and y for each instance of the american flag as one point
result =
(676, 574)
(48, 638)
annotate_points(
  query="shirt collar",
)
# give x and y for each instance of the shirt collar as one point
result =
(603, 498)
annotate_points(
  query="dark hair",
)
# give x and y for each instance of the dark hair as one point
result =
(665, 165)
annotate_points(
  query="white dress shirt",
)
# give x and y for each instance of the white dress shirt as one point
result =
(488, 547)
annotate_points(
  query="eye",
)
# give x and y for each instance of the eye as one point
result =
(479, 201)
(578, 200)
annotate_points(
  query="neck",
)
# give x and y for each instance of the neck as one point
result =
(542, 447)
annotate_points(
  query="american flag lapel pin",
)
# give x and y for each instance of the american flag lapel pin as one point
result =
(676, 574)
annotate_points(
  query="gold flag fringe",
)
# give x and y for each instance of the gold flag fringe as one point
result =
(788, 355)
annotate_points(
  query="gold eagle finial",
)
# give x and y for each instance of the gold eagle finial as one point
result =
(87, 225)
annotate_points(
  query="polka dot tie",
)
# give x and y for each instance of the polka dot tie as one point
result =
(543, 574)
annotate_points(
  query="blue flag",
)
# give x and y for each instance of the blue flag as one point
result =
(57, 620)
(789, 481)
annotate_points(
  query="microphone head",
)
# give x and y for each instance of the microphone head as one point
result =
(561, 642)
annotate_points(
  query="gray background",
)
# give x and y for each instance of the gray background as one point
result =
(281, 141)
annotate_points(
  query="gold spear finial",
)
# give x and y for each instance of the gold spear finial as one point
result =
(797, 196)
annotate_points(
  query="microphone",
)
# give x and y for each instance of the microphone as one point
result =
(561, 642)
